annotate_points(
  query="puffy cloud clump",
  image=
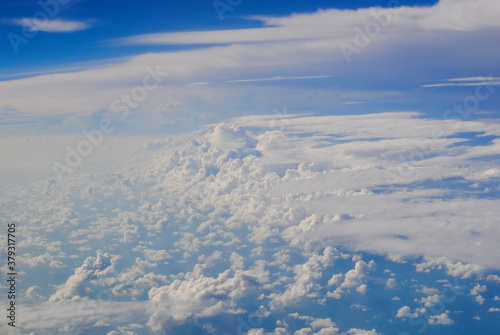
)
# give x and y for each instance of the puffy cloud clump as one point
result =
(305, 280)
(355, 278)
(93, 267)
(201, 296)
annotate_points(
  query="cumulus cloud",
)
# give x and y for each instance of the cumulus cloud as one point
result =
(404, 312)
(201, 296)
(31, 294)
(314, 325)
(230, 137)
(355, 278)
(358, 275)
(356, 331)
(478, 289)
(80, 315)
(391, 283)
(93, 267)
(493, 278)
(458, 269)
(195, 200)
(431, 300)
(361, 289)
(443, 319)
(305, 280)
(479, 299)
(336, 279)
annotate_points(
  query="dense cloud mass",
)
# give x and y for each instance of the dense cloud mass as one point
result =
(226, 223)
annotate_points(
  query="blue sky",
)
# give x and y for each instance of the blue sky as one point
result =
(215, 61)
(110, 20)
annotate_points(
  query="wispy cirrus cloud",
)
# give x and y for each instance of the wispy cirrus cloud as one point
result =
(277, 78)
(334, 24)
(52, 26)
(471, 81)
(283, 50)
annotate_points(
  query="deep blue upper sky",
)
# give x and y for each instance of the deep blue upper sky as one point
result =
(115, 19)
(257, 56)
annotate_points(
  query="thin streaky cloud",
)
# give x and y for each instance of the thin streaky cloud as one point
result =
(353, 102)
(52, 26)
(276, 78)
(479, 83)
(467, 81)
(475, 79)
(250, 35)
(336, 24)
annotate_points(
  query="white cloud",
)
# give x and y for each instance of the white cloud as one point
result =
(237, 261)
(197, 183)
(443, 319)
(358, 275)
(52, 26)
(257, 252)
(431, 300)
(356, 331)
(79, 315)
(317, 326)
(480, 300)
(404, 312)
(391, 283)
(493, 278)
(31, 294)
(92, 267)
(464, 82)
(430, 290)
(336, 279)
(478, 289)
(308, 42)
(333, 23)
(355, 278)
(306, 279)
(458, 269)
(397, 259)
(201, 296)
(361, 289)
